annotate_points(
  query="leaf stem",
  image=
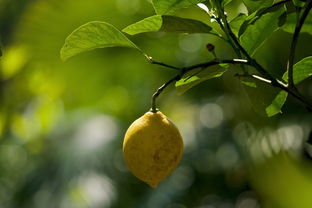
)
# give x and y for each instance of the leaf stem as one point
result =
(294, 42)
(152, 61)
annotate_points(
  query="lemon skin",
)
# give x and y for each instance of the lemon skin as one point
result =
(152, 147)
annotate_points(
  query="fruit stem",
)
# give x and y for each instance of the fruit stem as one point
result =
(161, 88)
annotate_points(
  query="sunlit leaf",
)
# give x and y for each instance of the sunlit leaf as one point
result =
(167, 23)
(302, 70)
(198, 76)
(253, 5)
(94, 35)
(252, 18)
(256, 34)
(290, 24)
(171, 6)
(249, 84)
(277, 104)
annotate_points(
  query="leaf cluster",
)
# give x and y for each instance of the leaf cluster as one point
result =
(246, 33)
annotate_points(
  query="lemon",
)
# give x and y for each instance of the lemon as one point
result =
(152, 147)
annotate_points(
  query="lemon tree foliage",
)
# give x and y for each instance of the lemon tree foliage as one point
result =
(167, 23)
(302, 70)
(290, 24)
(254, 5)
(171, 6)
(257, 33)
(237, 22)
(94, 35)
(245, 32)
(196, 77)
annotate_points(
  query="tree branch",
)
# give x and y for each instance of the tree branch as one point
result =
(294, 42)
(267, 77)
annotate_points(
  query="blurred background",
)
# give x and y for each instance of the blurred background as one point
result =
(62, 123)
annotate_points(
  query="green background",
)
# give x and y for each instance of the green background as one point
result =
(62, 123)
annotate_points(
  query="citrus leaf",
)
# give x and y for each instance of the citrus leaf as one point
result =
(225, 2)
(253, 5)
(298, 3)
(290, 24)
(171, 6)
(249, 84)
(261, 95)
(277, 104)
(198, 76)
(302, 70)
(94, 35)
(255, 16)
(256, 34)
(167, 23)
(236, 23)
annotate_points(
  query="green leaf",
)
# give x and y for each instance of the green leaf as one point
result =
(226, 2)
(302, 70)
(236, 23)
(94, 35)
(298, 3)
(252, 18)
(171, 6)
(291, 21)
(256, 34)
(277, 104)
(167, 23)
(253, 5)
(261, 96)
(249, 84)
(198, 76)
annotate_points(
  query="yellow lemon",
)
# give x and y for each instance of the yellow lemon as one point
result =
(152, 147)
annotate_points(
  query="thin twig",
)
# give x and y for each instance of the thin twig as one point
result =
(160, 89)
(294, 42)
